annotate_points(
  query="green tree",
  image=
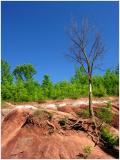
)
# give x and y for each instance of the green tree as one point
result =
(98, 86)
(20, 93)
(6, 81)
(34, 90)
(80, 76)
(79, 83)
(47, 86)
(111, 82)
(6, 76)
(24, 72)
(64, 87)
(6, 91)
(117, 70)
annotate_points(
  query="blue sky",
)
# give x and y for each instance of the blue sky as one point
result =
(34, 32)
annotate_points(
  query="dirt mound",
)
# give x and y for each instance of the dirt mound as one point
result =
(115, 110)
(34, 135)
(67, 109)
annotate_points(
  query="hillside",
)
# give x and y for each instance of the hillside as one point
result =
(54, 130)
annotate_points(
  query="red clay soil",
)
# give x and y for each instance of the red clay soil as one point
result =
(24, 140)
(115, 121)
(67, 109)
(115, 109)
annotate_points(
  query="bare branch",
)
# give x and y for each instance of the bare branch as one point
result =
(80, 48)
(79, 43)
(97, 49)
(79, 53)
(77, 57)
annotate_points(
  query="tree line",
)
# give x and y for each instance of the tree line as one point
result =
(20, 86)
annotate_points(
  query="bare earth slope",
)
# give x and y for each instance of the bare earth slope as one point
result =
(43, 138)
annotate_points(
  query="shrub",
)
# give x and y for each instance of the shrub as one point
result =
(87, 150)
(38, 113)
(108, 137)
(84, 113)
(105, 113)
(43, 113)
(99, 91)
(74, 96)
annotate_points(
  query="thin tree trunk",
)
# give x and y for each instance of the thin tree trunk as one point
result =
(90, 103)
(90, 99)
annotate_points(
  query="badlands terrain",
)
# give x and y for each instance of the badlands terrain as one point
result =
(53, 130)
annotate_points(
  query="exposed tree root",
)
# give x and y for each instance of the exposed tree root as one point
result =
(86, 125)
(16, 153)
(50, 124)
(94, 139)
(89, 127)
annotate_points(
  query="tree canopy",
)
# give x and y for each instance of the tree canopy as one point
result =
(24, 72)
(28, 89)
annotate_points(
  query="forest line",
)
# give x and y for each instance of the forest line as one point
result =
(20, 86)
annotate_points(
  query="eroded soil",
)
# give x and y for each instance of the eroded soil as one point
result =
(29, 136)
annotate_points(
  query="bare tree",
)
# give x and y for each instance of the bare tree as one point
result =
(87, 48)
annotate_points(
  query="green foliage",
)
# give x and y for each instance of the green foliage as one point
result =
(105, 113)
(98, 86)
(6, 81)
(25, 88)
(39, 113)
(34, 90)
(99, 91)
(117, 70)
(80, 76)
(24, 72)
(87, 150)
(47, 86)
(108, 137)
(84, 113)
(111, 82)
(20, 92)
(6, 76)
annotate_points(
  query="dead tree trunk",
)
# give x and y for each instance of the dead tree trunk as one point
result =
(90, 98)
(85, 56)
(91, 112)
